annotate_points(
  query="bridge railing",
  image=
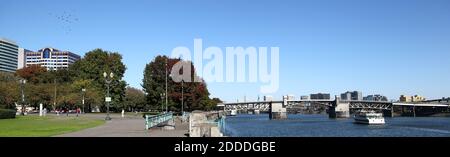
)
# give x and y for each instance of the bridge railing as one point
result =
(152, 121)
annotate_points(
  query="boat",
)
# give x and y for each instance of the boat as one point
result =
(369, 117)
(233, 113)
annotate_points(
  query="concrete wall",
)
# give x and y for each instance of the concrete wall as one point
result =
(200, 126)
(277, 111)
(340, 110)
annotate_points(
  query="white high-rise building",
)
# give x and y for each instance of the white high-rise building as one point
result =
(50, 58)
(21, 58)
(8, 55)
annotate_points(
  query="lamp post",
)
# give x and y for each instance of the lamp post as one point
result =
(22, 84)
(162, 101)
(182, 97)
(82, 102)
(166, 86)
(108, 98)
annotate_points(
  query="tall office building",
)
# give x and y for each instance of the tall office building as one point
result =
(21, 59)
(355, 95)
(376, 97)
(415, 98)
(52, 59)
(320, 96)
(8, 55)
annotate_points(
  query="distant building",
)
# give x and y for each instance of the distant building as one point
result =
(290, 97)
(8, 55)
(415, 98)
(404, 98)
(355, 95)
(320, 96)
(51, 58)
(304, 97)
(375, 97)
(21, 58)
(268, 98)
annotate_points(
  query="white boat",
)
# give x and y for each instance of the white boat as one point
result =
(233, 113)
(369, 117)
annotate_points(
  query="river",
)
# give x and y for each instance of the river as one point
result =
(299, 125)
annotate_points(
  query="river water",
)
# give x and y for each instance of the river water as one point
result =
(321, 126)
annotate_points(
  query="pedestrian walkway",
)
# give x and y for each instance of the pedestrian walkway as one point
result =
(129, 126)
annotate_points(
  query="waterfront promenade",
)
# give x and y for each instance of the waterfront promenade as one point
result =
(130, 126)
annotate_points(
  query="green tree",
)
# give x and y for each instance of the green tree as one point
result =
(196, 94)
(92, 67)
(134, 100)
(9, 90)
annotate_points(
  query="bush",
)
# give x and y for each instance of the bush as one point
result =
(7, 114)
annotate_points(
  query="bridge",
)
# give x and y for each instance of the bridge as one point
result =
(336, 108)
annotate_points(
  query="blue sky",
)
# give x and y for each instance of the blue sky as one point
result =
(375, 46)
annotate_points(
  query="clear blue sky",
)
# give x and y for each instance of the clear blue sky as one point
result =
(375, 46)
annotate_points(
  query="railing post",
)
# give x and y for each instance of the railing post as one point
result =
(146, 122)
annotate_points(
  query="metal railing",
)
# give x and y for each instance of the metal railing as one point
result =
(152, 121)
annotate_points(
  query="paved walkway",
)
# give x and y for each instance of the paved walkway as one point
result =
(129, 126)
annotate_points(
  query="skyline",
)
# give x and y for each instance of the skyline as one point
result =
(328, 47)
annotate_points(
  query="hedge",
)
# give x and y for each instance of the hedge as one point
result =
(7, 114)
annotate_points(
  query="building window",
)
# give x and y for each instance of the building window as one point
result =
(46, 53)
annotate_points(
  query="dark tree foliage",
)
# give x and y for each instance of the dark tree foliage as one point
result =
(196, 94)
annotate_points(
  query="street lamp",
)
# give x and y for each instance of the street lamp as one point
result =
(166, 86)
(22, 84)
(54, 83)
(82, 102)
(162, 99)
(182, 97)
(108, 98)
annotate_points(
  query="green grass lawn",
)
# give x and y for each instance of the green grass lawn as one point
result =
(35, 126)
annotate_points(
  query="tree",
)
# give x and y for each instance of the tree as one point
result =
(9, 90)
(134, 100)
(196, 94)
(39, 93)
(31, 73)
(92, 66)
(92, 94)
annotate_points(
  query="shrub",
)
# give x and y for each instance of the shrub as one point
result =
(7, 114)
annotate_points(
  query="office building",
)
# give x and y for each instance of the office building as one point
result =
(21, 58)
(355, 95)
(376, 97)
(290, 97)
(415, 98)
(268, 98)
(51, 58)
(304, 97)
(320, 96)
(8, 55)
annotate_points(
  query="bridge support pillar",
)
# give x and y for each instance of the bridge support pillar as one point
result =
(339, 110)
(277, 111)
(388, 113)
